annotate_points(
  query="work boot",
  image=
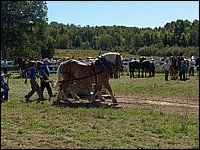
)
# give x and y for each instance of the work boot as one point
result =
(26, 97)
(54, 95)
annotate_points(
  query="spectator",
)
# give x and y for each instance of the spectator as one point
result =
(182, 71)
(34, 85)
(192, 65)
(5, 66)
(187, 69)
(4, 86)
(44, 72)
(197, 65)
(166, 67)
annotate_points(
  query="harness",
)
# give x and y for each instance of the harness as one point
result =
(101, 60)
(104, 63)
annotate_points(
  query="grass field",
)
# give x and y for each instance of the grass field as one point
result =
(156, 86)
(50, 125)
(61, 53)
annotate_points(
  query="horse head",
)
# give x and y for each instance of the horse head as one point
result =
(142, 58)
(115, 60)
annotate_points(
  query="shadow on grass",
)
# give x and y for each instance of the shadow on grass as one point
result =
(34, 100)
(79, 104)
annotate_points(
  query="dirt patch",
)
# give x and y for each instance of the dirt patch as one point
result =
(167, 105)
(188, 108)
(184, 107)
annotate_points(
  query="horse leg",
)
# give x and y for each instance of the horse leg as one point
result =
(64, 88)
(142, 72)
(146, 71)
(97, 89)
(22, 74)
(130, 73)
(153, 72)
(25, 73)
(133, 73)
(107, 86)
(59, 96)
(74, 95)
(138, 72)
(149, 71)
(100, 95)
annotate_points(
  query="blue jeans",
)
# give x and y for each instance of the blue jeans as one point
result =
(5, 88)
(166, 74)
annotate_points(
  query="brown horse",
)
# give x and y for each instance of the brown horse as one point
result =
(174, 68)
(97, 73)
(24, 66)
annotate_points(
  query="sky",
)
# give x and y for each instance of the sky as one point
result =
(123, 13)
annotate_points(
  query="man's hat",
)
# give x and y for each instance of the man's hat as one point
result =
(46, 59)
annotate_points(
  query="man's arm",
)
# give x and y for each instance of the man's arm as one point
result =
(37, 75)
(45, 74)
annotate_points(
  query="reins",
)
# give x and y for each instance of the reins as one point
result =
(106, 66)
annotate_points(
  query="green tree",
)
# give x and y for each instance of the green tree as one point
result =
(23, 25)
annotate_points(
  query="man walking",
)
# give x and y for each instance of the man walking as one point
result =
(34, 85)
(44, 72)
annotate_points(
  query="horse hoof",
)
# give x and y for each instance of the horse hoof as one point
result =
(102, 100)
(115, 102)
(63, 101)
(93, 102)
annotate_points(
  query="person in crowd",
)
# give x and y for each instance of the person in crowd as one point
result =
(192, 65)
(44, 72)
(5, 66)
(187, 69)
(166, 67)
(4, 86)
(182, 71)
(197, 65)
(33, 81)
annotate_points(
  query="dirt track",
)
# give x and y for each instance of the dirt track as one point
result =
(189, 108)
(183, 107)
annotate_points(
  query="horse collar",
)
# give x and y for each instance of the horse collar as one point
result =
(105, 63)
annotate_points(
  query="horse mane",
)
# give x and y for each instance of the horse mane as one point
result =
(111, 57)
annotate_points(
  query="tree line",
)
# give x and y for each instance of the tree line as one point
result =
(26, 33)
(175, 38)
